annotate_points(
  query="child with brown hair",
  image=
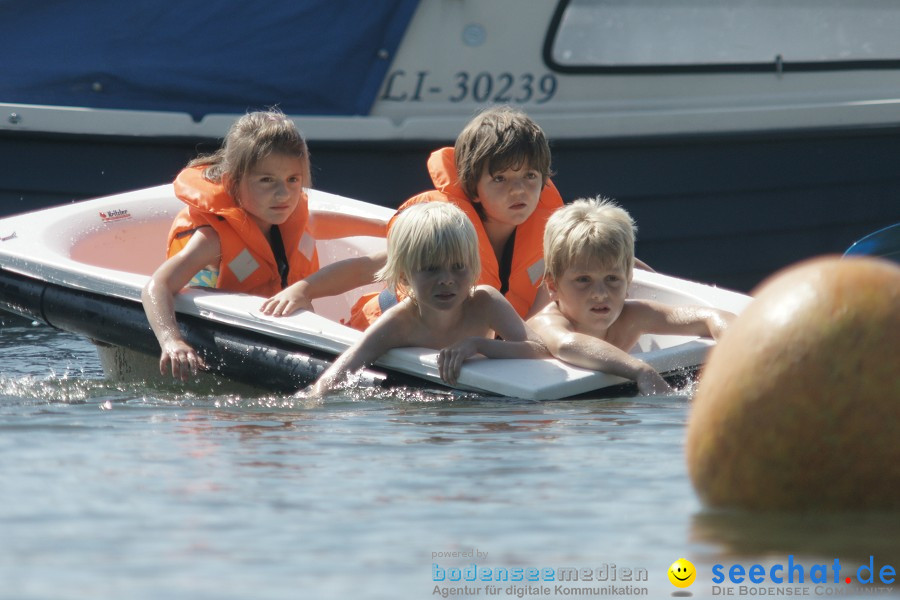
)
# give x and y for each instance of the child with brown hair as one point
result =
(246, 227)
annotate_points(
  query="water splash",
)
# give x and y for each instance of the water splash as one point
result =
(54, 390)
(407, 394)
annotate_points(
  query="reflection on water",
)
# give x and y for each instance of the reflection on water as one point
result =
(854, 536)
(113, 490)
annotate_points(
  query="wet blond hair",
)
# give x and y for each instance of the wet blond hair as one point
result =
(429, 234)
(499, 138)
(588, 229)
(250, 139)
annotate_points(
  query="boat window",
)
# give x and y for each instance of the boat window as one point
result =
(722, 35)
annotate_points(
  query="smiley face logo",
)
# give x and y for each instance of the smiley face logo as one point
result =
(682, 573)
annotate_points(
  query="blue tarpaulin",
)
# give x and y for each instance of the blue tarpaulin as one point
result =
(315, 57)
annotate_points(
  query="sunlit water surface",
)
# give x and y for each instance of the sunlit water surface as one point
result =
(127, 491)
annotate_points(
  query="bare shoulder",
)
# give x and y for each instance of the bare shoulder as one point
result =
(202, 250)
(485, 299)
(204, 235)
(486, 293)
(550, 318)
(204, 243)
(487, 306)
(393, 329)
(642, 316)
(397, 321)
(638, 311)
(645, 307)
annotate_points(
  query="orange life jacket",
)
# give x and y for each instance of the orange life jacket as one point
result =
(527, 267)
(248, 263)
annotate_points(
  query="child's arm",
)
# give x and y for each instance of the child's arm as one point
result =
(593, 353)
(703, 321)
(330, 280)
(158, 298)
(384, 334)
(338, 277)
(518, 341)
(328, 225)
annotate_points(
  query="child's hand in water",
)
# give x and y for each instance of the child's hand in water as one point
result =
(650, 382)
(451, 358)
(181, 358)
(287, 301)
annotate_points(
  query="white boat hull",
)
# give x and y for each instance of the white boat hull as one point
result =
(81, 267)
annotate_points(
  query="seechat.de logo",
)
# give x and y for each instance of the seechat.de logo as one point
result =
(797, 572)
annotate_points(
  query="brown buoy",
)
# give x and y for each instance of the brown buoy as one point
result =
(798, 406)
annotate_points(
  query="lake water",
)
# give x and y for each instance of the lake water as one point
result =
(132, 492)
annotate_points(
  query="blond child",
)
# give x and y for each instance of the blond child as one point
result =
(432, 257)
(589, 258)
(246, 227)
